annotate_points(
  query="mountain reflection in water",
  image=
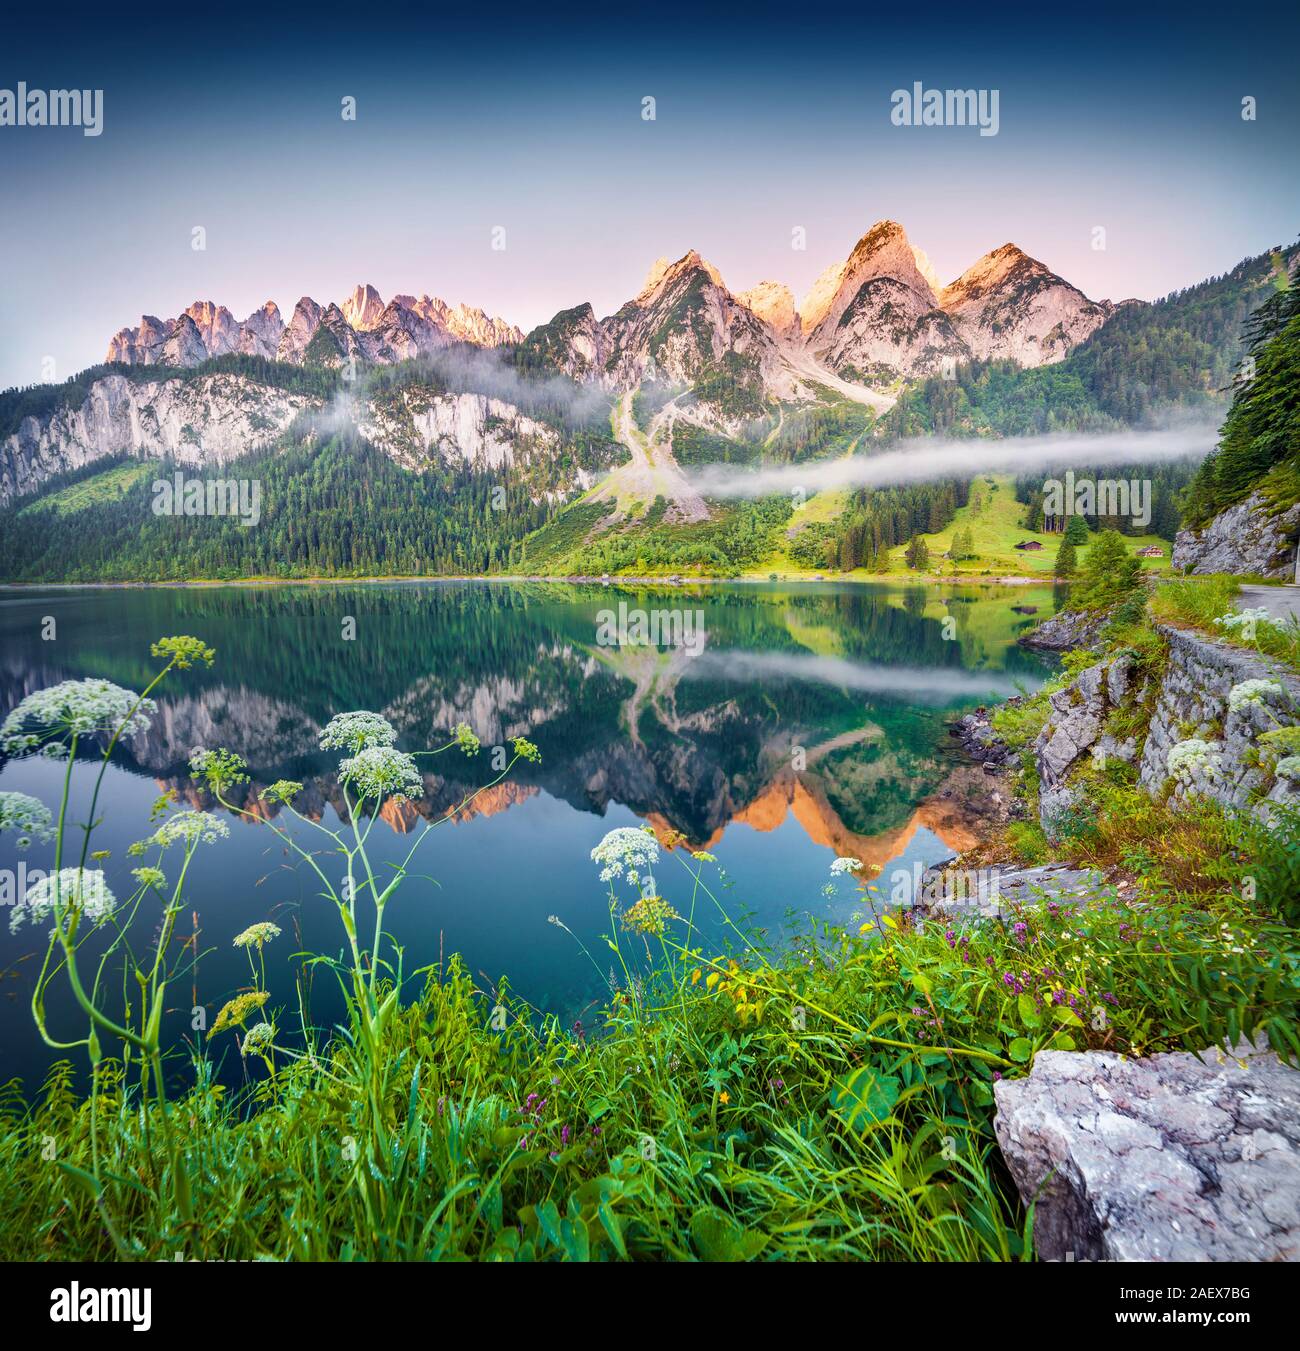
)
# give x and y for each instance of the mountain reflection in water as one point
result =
(813, 723)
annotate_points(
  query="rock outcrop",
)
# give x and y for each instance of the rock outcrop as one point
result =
(417, 430)
(1074, 728)
(1165, 1158)
(208, 420)
(1194, 703)
(975, 733)
(1247, 538)
(1065, 631)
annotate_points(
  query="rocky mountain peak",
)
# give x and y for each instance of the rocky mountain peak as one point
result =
(990, 271)
(363, 308)
(664, 274)
(773, 302)
(884, 251)
(1007, 304)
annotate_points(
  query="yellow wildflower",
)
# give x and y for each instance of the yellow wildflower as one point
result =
(237, 1009)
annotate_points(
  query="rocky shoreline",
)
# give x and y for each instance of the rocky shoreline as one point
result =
(1170, 1157)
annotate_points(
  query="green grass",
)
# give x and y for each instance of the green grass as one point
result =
(106, 486)
(997, 527)
(1198, 601)
(693, 1119)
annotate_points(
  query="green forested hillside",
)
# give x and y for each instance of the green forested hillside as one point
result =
(337, 508)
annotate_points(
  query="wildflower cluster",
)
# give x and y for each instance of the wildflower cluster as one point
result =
(183, 651)
(257, 934)
(1243, 619)
(649, 915)
(1192, 758)
(378, 771)
(526, 750)
(73, 708)
(282, 791)
(235, 1011)
(626, 852)
(28, 816)
(357, 732)
(189, 828)
(466, 739)
(219, 769)
(258, 1039)
(80, 892)
(1252, 693)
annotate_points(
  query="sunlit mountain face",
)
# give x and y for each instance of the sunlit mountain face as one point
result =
(804, 722)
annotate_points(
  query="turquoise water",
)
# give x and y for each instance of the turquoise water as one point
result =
(806, 721)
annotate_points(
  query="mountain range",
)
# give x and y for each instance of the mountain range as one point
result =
(386, 431)
(362, 327)
(879, 315)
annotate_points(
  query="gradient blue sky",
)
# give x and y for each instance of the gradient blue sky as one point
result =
(768, 118)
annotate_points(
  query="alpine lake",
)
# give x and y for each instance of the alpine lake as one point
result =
(775, 726)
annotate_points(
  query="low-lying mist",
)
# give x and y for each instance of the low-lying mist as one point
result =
(925, 458)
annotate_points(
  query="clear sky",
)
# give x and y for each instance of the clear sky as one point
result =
(485, 116)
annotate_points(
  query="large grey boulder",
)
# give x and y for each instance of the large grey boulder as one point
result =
(1246, 538)
(1165, 1158)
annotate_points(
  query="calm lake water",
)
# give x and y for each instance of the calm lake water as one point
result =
(811, 723)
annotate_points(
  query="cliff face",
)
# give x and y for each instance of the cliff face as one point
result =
(1244, 539)
(207, 421)
(1190, 702)
(1194, 703)
(202, 421)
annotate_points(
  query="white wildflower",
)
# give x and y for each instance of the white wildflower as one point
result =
(79, 891)
(27, 815)
(257, 935)
(846, 864)
(357, 731)
(1243, 618)
(629, 848)
(189, 828)
(1193, 757)
(81, 708)
(1251, 692)
(380, 770)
